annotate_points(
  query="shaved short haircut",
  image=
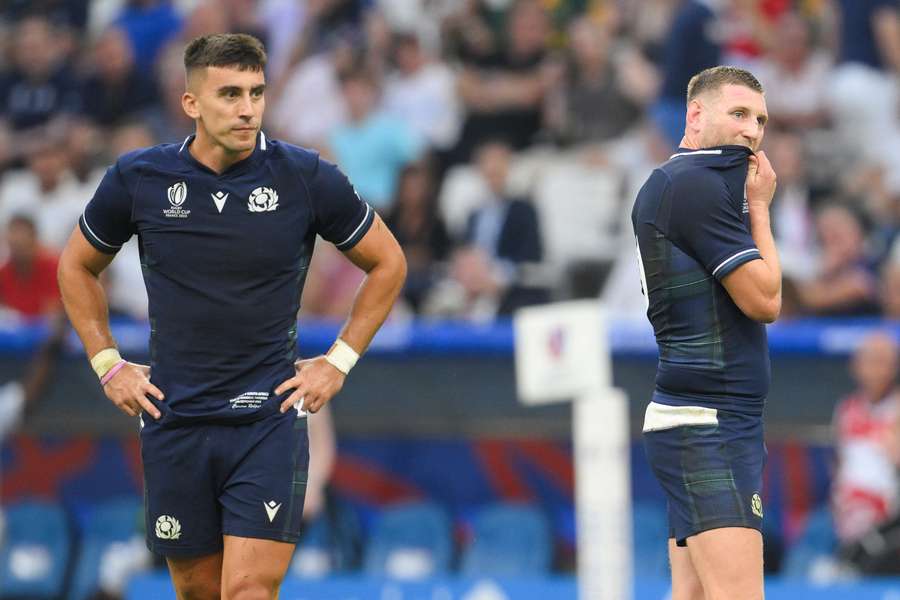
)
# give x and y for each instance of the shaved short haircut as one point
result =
(710, 80)
(238, 50)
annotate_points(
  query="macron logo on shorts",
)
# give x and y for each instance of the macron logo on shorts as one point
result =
(271, 509)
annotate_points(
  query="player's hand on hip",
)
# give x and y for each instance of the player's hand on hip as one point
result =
(761, 180)
(129, 388)
(314, 383)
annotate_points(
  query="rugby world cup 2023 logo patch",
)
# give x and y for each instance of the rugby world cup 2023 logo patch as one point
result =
(177, 194)
(262, 199)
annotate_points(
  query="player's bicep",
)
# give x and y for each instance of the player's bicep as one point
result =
(377, 247)
(745, 285)
(79, 253)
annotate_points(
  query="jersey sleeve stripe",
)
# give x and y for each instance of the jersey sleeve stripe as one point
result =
(97, 238)
(365, 220)
(734, 257)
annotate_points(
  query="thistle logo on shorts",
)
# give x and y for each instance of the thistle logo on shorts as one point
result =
(177, 194)
(168, 528)
(262, 199)
(756, 505)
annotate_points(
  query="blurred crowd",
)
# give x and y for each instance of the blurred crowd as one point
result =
(502, 140)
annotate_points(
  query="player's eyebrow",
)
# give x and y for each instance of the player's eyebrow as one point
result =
(235, 89)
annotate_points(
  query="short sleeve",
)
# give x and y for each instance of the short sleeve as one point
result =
(106, 221)
(706, 223)
(341, 217)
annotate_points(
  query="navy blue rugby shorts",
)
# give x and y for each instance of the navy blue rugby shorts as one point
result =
(711, 473)
(203, 481)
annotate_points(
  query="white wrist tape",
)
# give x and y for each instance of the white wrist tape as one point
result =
(105, 360)
(341, 356)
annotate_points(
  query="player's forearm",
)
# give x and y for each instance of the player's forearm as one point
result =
(373, 302)
(86, 305)
(761, 230)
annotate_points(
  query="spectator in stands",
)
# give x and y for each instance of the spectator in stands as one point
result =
(845, 283)
(690, 47)
(216, 16)
(323, 23)
(372, 147)
(863, 95)
(793, 219)
(28, 277)
(503, 87)
(415, 222)
(47, 191)
(85, 144)
(423, 91)
(149, 25)
(40, 84)
(490, 274)
(795, 74)
(596, 102)
(315, 81)
(889, 289)
(66, 13)
(866, 486)
(116, 90)
(170, 124)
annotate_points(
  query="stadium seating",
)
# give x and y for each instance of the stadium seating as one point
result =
(113, 521)
(508, 540)
(580, 212)
(650, 531)
(312, 557)
(817, 543)
(36, 552)
(410, 541)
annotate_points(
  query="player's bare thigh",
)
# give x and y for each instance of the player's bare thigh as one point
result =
(729, 562)
(197, 578)
(253, 569)
(685, 583)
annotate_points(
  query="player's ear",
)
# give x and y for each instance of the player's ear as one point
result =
(189, 104)
(694, 114)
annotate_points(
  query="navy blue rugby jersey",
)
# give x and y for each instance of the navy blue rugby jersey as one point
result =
(692, 227)
(224, 258)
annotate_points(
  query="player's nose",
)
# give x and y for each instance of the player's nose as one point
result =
(751, 134)
(245, 107)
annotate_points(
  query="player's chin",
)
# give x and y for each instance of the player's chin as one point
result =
(240, 141)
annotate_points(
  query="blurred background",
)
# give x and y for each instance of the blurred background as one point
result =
(503, 141)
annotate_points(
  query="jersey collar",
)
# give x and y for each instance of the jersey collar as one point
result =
(262, 146)
(732, 149)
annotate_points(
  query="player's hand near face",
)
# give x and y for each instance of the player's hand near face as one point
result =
(761, 181)
(128, 390)
(315, 382)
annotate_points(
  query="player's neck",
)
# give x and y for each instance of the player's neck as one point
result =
(215, 156)
(690, 143)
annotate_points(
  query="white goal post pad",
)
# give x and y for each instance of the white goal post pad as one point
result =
(561, 351)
